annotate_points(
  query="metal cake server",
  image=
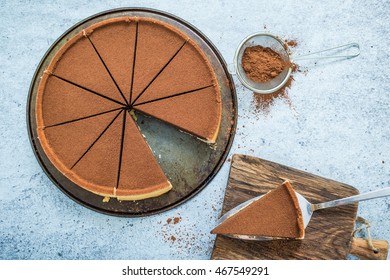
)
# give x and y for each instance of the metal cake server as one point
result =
(307, 209)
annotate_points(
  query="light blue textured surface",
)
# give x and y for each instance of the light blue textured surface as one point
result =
(336, 126)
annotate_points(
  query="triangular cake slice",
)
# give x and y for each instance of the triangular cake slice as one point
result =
(140, 174)
(97, 169)
(114, 39)
(188, 71)
(157, 44)
(78, 63)
(59, 101)
(276, 214)
(198, 112)
(64, 144)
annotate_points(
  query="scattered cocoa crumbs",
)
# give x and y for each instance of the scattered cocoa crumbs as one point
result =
(176, 220)
(264, 102)
(291, 43)
(183, 237)
(262, 64)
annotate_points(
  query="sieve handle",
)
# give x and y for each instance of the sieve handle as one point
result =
(323, 54)
(232, 69)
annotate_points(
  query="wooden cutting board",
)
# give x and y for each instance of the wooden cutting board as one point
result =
(329, 233)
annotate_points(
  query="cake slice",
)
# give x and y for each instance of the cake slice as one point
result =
(188, 71)
(157, 44)
(115, 39)
(77, 62)
(60, 102)
(64, 144)
(277, 214)
(97, 169)
(198, 112)
(140, 174)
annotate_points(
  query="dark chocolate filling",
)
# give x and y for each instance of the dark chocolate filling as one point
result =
(159, 72)
(83, 118)
(87, 89)
(94, 142)
(121, 150)
(173, 95)
(134, 59)
(105, 66)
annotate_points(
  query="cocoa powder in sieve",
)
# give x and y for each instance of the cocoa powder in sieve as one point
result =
(264, 102)
(262, 64)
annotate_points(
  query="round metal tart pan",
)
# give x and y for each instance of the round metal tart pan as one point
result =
(189, 163)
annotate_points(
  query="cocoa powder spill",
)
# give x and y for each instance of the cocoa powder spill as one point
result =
(262, 64)
(291, 43)
(174, 220)
(264, 102)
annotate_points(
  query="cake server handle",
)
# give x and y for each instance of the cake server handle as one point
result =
(347, 200)
(324, 54)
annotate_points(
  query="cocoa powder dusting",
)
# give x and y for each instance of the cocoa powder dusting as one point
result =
(291, 43)
(182, 237)
(264, 102)
(174, 220)
(262, 64)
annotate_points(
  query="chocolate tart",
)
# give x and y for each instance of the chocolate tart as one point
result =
(102, 75)
(276, 214)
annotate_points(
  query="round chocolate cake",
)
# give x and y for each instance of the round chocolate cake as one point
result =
(88, 94)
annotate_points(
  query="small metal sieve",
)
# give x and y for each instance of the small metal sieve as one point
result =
(276, 44)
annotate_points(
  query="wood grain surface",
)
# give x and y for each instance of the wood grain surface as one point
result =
(360, 248)
(328, 235)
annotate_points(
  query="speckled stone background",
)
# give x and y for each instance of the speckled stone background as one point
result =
(334, 122)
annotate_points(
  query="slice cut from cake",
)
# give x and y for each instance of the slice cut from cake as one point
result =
(64, 144)
(198, 112)
(106, 155)
(157, 45)
(78, 63)
(188, 71)
(67, 102)
(96, 170)
(277, 214)
(140, 174)
(114, 40)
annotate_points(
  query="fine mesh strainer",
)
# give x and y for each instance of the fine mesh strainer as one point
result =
(277, 45)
